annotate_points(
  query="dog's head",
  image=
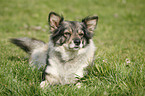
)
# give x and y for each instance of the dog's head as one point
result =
(72, 35)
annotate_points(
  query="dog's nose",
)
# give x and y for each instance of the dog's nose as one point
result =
(77, 42)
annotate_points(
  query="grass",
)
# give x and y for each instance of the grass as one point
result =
(120, 40)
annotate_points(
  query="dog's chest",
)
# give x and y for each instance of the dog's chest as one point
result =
(66, 71)
(67, 62)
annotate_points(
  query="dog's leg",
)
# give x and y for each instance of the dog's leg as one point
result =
(44, 84)
(49, 80)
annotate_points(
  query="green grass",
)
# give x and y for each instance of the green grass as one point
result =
(120, 40)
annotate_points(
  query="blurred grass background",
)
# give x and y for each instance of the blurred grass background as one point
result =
(120, 40)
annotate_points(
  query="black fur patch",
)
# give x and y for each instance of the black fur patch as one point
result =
(20, 44)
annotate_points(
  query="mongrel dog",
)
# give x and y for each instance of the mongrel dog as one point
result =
(69, 51)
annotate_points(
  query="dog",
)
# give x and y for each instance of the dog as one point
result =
(69, 51)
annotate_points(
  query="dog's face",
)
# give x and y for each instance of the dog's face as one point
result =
(72, 35)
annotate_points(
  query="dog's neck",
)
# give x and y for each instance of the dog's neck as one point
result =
(66, 55)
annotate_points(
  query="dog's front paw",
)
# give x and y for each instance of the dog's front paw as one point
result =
(43, 84)
(79, 85)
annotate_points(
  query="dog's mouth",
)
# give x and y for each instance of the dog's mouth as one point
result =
(76, 48)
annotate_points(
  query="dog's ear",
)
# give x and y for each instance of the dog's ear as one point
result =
(90, 23)
(54, 20)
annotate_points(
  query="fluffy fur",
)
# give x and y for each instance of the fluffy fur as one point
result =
(69, 51)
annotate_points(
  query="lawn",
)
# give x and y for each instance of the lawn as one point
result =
(119, 67)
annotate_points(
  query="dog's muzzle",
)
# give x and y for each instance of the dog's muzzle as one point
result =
(76, 44)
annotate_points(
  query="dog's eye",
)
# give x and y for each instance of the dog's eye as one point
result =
(81, 34)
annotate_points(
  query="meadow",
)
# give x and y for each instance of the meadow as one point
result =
(119, 68)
